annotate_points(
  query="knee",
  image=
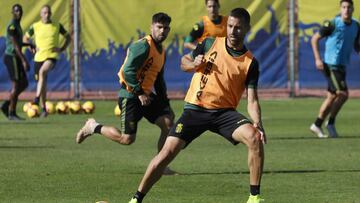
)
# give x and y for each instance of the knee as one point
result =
(253, 140)
(343, 95)
(165, 124)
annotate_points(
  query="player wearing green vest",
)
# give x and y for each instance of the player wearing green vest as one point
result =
(15, 62)
(143, 90)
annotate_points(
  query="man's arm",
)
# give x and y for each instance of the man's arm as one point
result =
(67, 39)
(315, 47)
(195, 33)
(26, 39)
(11, 32)
(254, 111)
(192, 61)
(357, 40)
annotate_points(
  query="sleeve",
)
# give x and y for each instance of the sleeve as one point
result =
(11, 30)
(30, 31)
(62, 29)
(137, 54)
(160, 86)
(327, 28)
(202, 47)
(253, 75)
(195, 33)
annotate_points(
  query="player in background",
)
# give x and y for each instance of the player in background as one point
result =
(141, 72)
(15, 62)
(224, 69)
(212, 25)
(46, 35)
(342, 35)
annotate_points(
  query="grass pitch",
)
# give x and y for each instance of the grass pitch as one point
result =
(40, 161)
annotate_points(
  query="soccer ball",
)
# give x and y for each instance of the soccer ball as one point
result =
(33, 111)
(61, 108)
(75, 107)
(88, 107)
(50, 108)
(26, 106)
(117, 110)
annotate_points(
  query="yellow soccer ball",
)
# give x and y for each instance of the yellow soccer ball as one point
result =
(50, 108)
(33, 111)
(61, 108)
(88, 107)
(26, 106)
(75, 107)
(117, 110)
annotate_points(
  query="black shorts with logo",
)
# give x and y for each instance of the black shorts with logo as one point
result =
(193, 123)
(132, 111)
(336, 79)
(38, 65)
(15, 68)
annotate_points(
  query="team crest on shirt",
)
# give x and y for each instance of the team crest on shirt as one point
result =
(179, 128)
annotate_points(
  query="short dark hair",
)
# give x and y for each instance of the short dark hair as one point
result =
(16, 5)
(46, 6)
(348, 1)
(241, 13)
(161, 18)
(217, 1)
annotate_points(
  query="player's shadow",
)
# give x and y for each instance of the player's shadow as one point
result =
(314, 138)
(26, 147)
(272, 172)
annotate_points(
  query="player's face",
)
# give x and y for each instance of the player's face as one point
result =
(45, 14)
(159, 31)
(17, 12)
(213, 9)
(346, 10)
(236, 31)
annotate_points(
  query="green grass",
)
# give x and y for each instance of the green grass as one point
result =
(40, 162)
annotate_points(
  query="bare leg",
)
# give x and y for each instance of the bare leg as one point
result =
(115, 135)
(154, 171)
(165, 123)
(250, 136)
(41, 84)
(341, 98)
(326, 106)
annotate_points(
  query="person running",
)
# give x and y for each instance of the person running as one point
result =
(46, 35)
(224, 68)
(212, 25)
(342, 34)
(16, 63)
(141, 72)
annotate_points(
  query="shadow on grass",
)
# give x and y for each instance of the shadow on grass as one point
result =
(271, 172)
(27, 147)
(313, 138)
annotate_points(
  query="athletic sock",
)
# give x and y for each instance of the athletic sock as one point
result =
(319, 122)
(331, 121)
(36, 100)
(254, 189)
(98, 129)
(139, 196)
(12, 113)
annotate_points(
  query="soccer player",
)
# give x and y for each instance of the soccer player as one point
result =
(45, 34)
(15, 62)
(342, 34)
(141, 72)
(223, 69)
(212, 25)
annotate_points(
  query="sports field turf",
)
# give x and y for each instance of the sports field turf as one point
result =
(40, 162)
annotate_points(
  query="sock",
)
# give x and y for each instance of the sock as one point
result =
(98, 129)
(139, 196)
(44, 109)
(319, 122)
(331, 121)
(36, 100)
(254, 189)
(12, 113)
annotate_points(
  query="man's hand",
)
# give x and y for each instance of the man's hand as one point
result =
(199, 59)
(261, 131)
(319, 64)
(144, 99)
(25, 65)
